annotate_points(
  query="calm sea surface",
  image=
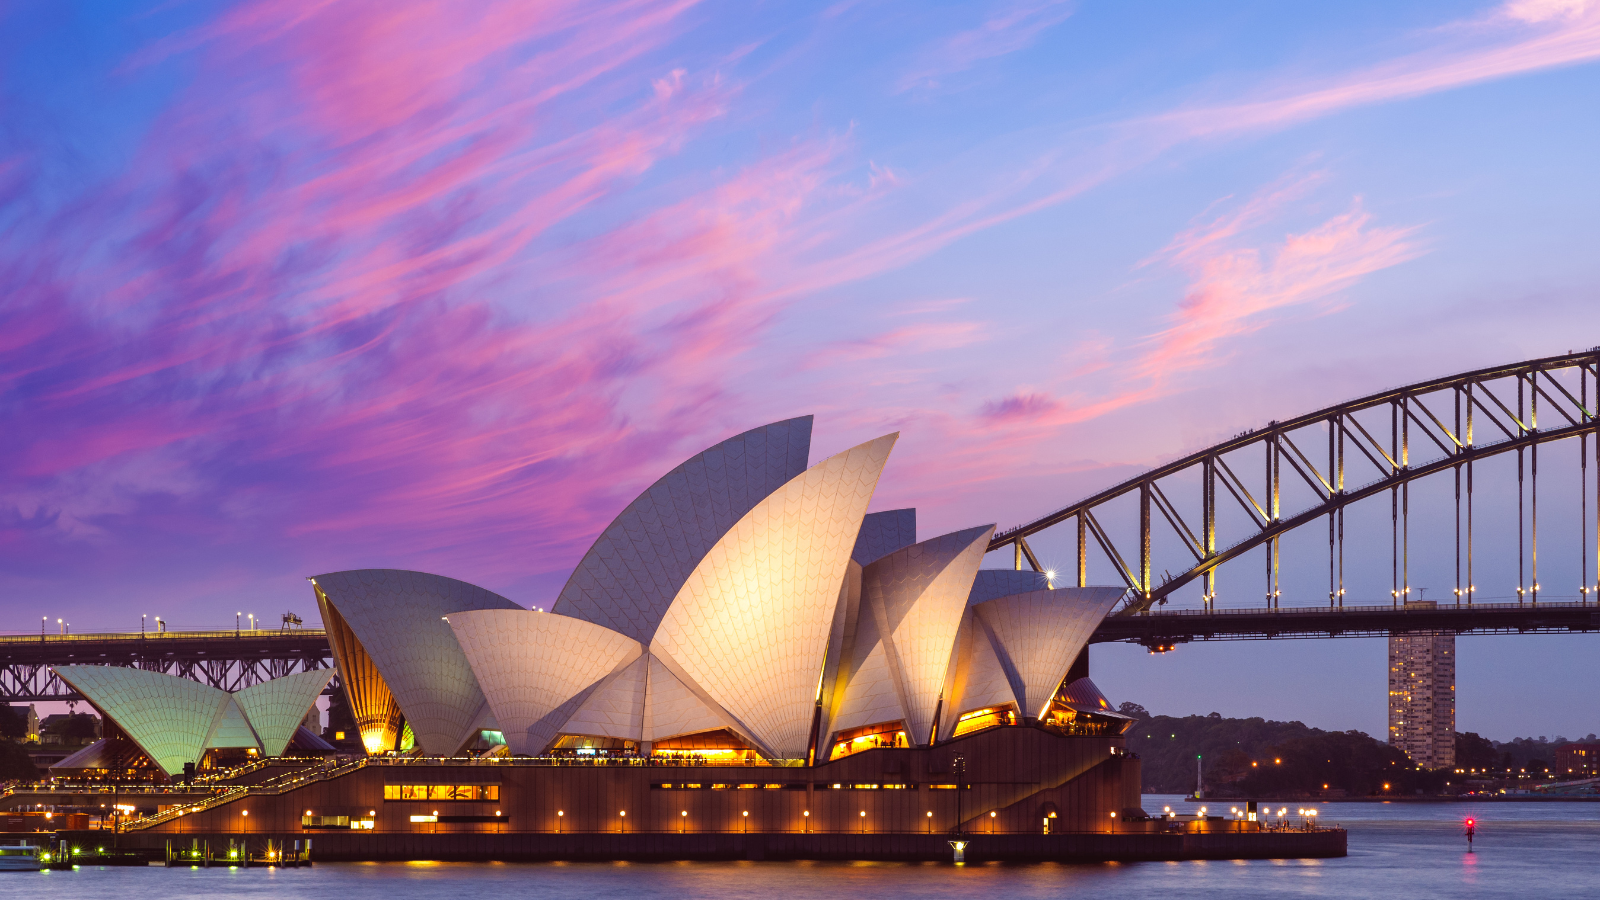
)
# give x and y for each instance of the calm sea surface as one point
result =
(1413, 850)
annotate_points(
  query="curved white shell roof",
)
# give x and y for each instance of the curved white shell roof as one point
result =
(914, 598)
(1037, 635)
(168, 717)
(751, 623)
(980, 680)
(537, 668)
(882, 533)
(639, 563)
(231, 729)
(399, 616)
(672, 708)
(275, 708)
(615, 708)
(992, 583)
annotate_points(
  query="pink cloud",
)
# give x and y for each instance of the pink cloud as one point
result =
(1519, 38)
(1233, 290)
(1563, 33)
(314, 287)
(922, 337)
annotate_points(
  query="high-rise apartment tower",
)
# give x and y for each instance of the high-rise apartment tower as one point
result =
(1422, 696)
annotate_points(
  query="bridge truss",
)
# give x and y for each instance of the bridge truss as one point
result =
(229, 660)
(1442, 427)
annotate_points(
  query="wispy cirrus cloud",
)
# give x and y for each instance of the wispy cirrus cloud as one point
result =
(1518, 38)
(305, 310)
(920, 337)
(1005, 30)
(1235, 288)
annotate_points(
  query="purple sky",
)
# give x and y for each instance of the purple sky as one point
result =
(289, 286)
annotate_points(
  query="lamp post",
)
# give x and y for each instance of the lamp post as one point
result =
(560, 815)
(624, 815)
(807, 816)
(961, 769)
(683, 821)
(747, 821)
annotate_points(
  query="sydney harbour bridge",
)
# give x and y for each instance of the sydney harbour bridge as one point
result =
(1475, 439)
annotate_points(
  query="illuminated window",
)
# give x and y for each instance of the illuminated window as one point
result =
(988, 717)
(871, 737)
(441, 792)
(424, 818)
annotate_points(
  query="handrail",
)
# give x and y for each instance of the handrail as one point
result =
(134, 636)
(1444, 606)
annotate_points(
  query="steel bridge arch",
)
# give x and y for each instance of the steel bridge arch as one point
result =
(1473, 400)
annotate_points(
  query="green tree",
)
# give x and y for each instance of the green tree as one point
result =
(15, 765)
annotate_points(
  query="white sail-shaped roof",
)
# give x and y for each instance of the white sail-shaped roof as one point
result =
(616, 708)
(980, 679)
(882, 533)
(231, 730)
(639, 563)
(275, 708)
(672, 709)
(1038, 634)
(919, 595)
(168, 717)
(399, 616)
(992, 583)
(538, 668)
(751, 624)
(872, 696)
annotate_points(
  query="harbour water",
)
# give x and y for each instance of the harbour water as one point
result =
(1396, 850)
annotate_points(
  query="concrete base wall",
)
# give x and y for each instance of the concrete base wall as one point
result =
(343, 847)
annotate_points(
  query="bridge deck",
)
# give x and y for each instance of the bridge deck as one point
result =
(233, 660)
(1163, 629)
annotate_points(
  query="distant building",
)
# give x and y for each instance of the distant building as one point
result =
(1422, 696)
(24, 722)
(1578, 758)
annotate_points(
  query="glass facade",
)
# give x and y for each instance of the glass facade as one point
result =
(441, 792)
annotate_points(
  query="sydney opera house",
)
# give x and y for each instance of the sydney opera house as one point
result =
(744, 649)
